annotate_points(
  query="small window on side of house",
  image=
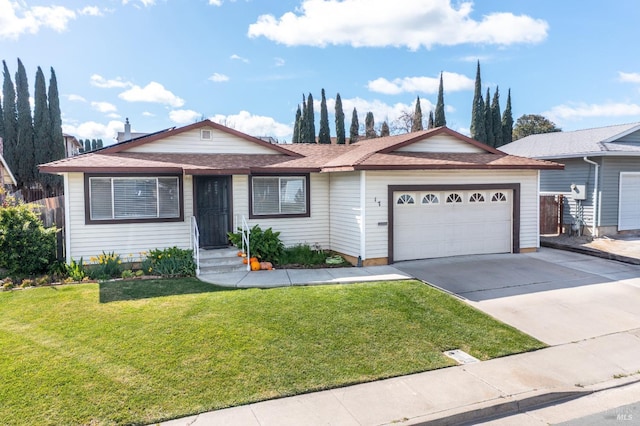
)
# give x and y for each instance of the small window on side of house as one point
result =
(205, 134)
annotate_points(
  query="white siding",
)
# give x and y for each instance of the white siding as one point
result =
(305, 230)
(123, 239)
(345, 214)
(440, 143)
(190, 142)
(377, 183)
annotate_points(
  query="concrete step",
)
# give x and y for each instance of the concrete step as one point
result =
(221, 261)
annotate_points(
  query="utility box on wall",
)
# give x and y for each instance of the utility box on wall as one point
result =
(578, 192)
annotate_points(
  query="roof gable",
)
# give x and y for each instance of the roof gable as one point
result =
(438, 140)
(204, 137)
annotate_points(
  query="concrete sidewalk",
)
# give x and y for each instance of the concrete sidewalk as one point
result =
(291, 277)
(467, 393)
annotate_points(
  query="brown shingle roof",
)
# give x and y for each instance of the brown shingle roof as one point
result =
(374, 154)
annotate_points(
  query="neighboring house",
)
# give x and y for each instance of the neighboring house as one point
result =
(7, 181)
(426, 194)
(71, 145)
(602, 169)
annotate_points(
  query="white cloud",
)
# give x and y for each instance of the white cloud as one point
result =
(76, 98)
(90, 11)
(16, 18)
(255, 125)
(577, 111)
(409, 23)
(215, 2)
(101, 82)
(148, 114)
(451, 82)
(381, 110)
(629, 77)
(184, 116)
(152, 92)
(218, 78)
(93, 130)
(239, 58)
(279, 62)
(103, 106)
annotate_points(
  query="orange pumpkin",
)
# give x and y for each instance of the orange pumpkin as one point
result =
(254, 259)
(255, 266)
(240, 254)
(245, 261)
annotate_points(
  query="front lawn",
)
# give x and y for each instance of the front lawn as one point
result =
(144, 351)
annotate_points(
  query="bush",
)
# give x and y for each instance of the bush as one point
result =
(265, 245)
(109, 266)
(26, 246)
(170, 262)
(75, 270)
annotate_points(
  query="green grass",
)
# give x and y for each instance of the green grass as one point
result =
(142, 351)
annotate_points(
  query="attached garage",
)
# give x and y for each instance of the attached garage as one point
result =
(629, 211)
(437, 221)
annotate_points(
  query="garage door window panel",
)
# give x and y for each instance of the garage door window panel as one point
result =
(405, 199)
(476, 197)
(499, 197)
(430, 199)
(454, 198)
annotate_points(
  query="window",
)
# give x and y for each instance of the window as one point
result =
(134, 198)
(499, 197)
(430, 199)
(279, 196)
(454, 198)
(476, 197)
(405, 199)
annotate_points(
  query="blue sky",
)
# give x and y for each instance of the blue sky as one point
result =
(247, 63)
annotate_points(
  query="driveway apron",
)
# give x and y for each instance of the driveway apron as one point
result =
(555, 296)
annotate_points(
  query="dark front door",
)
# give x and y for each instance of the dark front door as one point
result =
(213, 210)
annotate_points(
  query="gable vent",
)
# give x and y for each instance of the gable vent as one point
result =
(205, 135)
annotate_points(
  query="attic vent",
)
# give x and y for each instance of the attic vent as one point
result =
(205, 135)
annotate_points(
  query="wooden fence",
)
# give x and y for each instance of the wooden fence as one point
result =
(52, 214)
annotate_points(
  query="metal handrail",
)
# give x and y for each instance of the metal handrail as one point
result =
(195, 243)
(246, 233)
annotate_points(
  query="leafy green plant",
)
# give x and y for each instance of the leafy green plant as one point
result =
(302, 254)
(127, 273)
(109, 266)
(76, 271)
(26, 246)
(27, 282)
(265, 245)
(170, 262)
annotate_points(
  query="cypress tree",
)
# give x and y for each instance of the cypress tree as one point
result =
(439, 119)
(369, 124)
(488, 121)
(340, 130)
(303, 122)
(384, 130)
(100, 143)
(9, 118)
(94, 144)
(507, 121)
(296, 126)
(355, 127)
(477, 111)
(311, 121)
(430, 123)
(497, 122)
(42, 129)
(26, 169)
(1, 122)
(324, 135)
(416, 124)
(58, 150)
(87, 145)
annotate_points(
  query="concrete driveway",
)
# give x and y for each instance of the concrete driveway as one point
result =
(555, 296)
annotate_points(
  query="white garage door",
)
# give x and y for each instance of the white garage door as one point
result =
(629, 211)
(429, 224)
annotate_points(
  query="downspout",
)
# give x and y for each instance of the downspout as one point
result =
(67, 219)
(363, 217)
(596, 207)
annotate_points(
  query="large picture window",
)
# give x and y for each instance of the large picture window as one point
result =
(279, 196)
(133, 198)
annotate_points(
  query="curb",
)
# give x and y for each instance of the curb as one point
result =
(591, 252)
